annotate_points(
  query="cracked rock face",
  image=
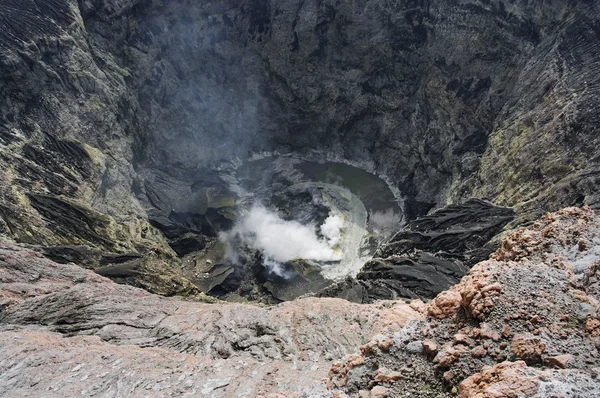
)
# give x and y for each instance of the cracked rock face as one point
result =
(122, 341)
(525, 321)
(428, 256)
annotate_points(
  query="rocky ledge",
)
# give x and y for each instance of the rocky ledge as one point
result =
(525, 322)
(429, 255)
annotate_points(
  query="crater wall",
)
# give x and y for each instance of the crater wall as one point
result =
(112, 112)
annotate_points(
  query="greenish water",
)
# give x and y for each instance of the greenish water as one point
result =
(265, 173)
(362, 205)
(375, 194)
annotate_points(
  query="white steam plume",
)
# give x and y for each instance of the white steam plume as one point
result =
(281, 241)
(332, 229)
(385, 223)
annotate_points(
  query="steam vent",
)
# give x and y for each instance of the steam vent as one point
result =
(300, 198)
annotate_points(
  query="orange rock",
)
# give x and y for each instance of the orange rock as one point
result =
(381, 341)
(479, 351)
(506, 332)
(448, 355)
(445, 305)
(395, 317)
(475, 333)
(355, 360)
(336, 367)
(385, 375)
(368, 349)
(379, 392)
(507, 379)
(449, 376)
(592, 327)
(478, 291)
(528, 347)
(488, 333)
(430, 347)
(461, 338)
(386, 344)
(338, 374)
(418, 306)
(559, 361)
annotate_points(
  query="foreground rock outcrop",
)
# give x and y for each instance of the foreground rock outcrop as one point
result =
(91, 335)
(525, 322)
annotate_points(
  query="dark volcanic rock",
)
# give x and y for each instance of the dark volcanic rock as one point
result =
(296, 278)
(430, 255)
(187, 244)
(120, 111)
(457, 231)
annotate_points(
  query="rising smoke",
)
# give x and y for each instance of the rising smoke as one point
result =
(385, 223)
(280, 241)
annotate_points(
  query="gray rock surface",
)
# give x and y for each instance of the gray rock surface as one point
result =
(428, 256)
(67, 331)
(514, 324)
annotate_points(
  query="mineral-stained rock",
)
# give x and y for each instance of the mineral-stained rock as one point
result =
(487, 332)
(385, 375)
(379, 392)
(448, 355)
(528, 348)
(498, 301)
(559, 361)
(479, 351)
(516, 379)
(445, 305)
(430, 347)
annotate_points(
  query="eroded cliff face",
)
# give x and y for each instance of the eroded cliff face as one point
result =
(448, 100)
(115, 114)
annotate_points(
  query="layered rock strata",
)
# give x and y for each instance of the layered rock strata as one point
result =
(429, 255)
(114, 115)
(524, 322)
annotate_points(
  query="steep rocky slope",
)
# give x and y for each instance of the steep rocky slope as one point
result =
(531, 308)
(114, 115)
(526, 323)
(120, 123)
(428, 256)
